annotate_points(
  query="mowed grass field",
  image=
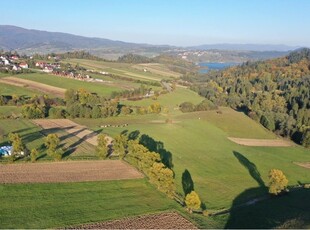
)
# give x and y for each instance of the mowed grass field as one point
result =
(220, 169)
(156, 73)
(62, 204)
(6, 89)
(66, 83)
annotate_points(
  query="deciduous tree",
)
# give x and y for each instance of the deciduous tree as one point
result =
(192, 201)
(277, 181)
(102, 149)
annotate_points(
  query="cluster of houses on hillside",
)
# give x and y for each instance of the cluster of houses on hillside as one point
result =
(12, 63)
(73, 75)
(48, 67)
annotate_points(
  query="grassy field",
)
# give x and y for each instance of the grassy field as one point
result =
(6, 111)
(63, 204)
(124, 69)
(216, 164)
(224, 173)
(6, 89)
(67, 83)
(170, 100)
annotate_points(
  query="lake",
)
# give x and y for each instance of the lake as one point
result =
(207, 66)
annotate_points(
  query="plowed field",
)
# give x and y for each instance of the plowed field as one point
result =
(72, 171)
(156, 221)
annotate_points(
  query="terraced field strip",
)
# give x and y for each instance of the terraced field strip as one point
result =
(170, 220)
(56, 91)
(261, 142)
(303, 164)
(69, 171)
(70, 127)
(157, 69)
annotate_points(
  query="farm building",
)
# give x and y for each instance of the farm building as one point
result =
(6, 150)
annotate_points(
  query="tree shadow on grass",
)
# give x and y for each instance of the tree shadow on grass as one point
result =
(157, 146)
(251, 167)
(287, 211)
(134, 135)
(187, 182)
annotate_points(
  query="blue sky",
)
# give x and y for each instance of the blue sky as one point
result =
(173, 22)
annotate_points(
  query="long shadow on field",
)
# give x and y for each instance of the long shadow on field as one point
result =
(251, 167)
(133, 135)
(187, 182)
(157, 146)
(73, 146)
(68, 135)
(287, 211)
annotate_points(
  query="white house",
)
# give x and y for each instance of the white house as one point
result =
(23, 65)
(6, 62)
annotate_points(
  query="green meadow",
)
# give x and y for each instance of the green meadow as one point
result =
(224, 174)
(219, 168)
(63, 204)
(6, 89)
(67, 83)
(124, 69)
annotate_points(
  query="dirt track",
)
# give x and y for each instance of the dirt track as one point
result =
(69, 171)
(261, 142)
(70, 127)
(170, 220)
(20, 82)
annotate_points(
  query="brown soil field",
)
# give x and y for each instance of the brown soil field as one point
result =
(67, 171)
(58, 92)
(303, 164)
(170, 220)
(261, 142)
(70, 127)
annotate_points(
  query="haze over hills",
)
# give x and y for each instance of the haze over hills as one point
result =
(31, 41)
(247, 47)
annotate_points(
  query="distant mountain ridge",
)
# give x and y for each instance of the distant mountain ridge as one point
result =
(13, 37)
(31, 41)
(246, 47)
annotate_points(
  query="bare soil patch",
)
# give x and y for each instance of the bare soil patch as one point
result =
(261, 142)
(70, 127)
(303, 164)
(56, 91)
(69, 171)
(170, 220)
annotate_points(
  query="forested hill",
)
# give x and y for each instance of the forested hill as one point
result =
(274, 92)
(296, 64)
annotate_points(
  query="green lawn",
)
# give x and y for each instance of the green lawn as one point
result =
(62, 204)
(67, 83)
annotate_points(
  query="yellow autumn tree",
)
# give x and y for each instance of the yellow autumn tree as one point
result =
(277, 181)
(192, 201)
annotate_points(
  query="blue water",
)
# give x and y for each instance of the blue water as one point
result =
(215, 66)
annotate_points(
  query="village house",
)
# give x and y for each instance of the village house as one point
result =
(47, 69)
(23, 65)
